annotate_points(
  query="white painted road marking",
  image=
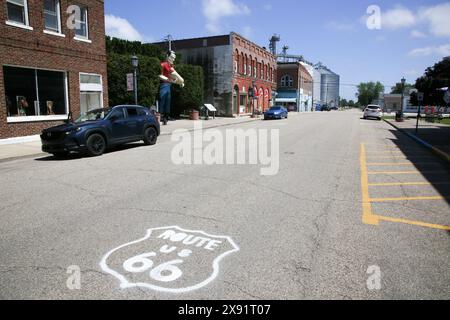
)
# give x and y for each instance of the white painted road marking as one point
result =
(162, 260)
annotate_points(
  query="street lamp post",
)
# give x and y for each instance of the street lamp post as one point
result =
(135, 64)
(403, 96)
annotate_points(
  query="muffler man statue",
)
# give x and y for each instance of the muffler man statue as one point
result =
(168, 77)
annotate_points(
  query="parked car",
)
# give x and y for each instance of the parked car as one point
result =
(373, 111)
(277, 112)
(97, 130)
(325, 108)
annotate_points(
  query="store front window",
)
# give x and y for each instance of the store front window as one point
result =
(32, 94)
(91, 90)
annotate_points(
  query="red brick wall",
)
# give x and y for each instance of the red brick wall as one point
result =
(254, 53)
(35, 49)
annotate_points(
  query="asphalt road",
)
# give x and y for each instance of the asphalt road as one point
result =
(301, 234)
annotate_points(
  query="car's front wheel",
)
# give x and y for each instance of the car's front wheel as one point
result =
(96, 145)
(150, 136)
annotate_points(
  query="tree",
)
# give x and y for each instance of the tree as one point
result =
(343, 103)
(435, 78)
(367, 92)
(191, 96)
(148, 82)
(150, 57)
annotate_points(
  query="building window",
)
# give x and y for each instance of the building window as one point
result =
(34, 93)
(82, 28)
(52, 15)
(287, 81)
(91, 92)
(17, 12)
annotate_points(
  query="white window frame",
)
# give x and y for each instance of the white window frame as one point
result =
(43, 118)
(58, 16)
(92, 87)
(287, 81)
(84, 38)
(17, 24)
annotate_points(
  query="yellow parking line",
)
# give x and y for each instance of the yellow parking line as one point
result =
(368, 217)
(403, 157)
(387, 164)
(405, 172)
(414, 223)
(408, 199)
(407, 184)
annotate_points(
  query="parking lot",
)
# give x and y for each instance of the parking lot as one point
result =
(403, 183)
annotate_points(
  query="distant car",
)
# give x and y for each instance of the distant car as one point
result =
(325, 108)
(97, 130)
(277, 112)
(373, 111)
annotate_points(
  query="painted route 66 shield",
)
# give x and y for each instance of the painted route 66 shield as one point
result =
(169, 259)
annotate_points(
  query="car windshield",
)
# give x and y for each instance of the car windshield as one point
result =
(93, 115)
(275, 108)
(373, 107)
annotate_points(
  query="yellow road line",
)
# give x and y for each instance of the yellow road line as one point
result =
(368, 217)
(408, 199)
(387, 164)
(407, 184)
(403, 157)
(405, 172)
(414, 223)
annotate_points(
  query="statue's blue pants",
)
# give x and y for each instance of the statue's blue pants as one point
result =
(165, 98)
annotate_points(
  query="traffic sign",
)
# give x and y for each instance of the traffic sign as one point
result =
(447, 97)
(130, 82)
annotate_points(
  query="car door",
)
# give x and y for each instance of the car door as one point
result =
(134, 122)
(119, 125)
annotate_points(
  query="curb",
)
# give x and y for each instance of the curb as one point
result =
(40, 154)
(437, 152)
(215, 126)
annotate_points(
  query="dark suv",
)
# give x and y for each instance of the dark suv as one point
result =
(93, 132)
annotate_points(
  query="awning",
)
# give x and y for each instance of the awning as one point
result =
(289, 100)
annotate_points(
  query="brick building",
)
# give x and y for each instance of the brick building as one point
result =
(232, 65)
(52, 62)
(295, 86)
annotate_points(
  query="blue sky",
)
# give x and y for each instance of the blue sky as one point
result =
(409, 36)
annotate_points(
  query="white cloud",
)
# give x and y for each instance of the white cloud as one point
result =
(121, 28)
(438, 18)
(441, 51)
(215, 10)
(398, 18)
(418, 34)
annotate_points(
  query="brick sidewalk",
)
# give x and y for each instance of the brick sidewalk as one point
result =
(438, 135)
(11, 149)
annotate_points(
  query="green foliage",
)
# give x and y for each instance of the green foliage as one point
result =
(191, 96)
(435, 77)
(119, 46)
(148, 82)
(367, 92)
(150, 57)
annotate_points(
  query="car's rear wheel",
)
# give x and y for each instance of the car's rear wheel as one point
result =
(150, 136)
(96, 145)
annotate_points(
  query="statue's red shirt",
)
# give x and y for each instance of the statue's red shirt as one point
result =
(167, 69)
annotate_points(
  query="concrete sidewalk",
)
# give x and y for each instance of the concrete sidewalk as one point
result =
(436, 135)
(11, 149)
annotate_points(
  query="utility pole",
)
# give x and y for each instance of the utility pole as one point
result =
(169, 39)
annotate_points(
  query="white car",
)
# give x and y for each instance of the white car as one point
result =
(373, 111)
